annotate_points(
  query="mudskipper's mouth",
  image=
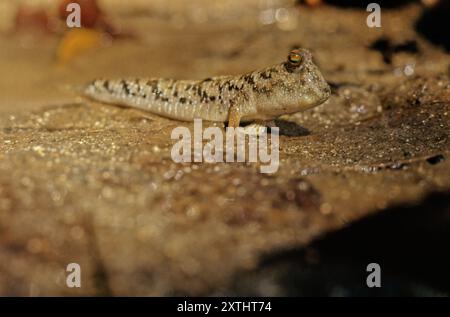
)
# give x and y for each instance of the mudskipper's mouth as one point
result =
(324, 93)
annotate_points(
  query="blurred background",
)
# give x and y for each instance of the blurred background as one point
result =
(363, 178)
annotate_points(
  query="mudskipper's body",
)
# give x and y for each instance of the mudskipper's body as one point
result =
(292, 86)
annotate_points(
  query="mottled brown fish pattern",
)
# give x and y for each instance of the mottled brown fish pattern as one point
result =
(291, 86)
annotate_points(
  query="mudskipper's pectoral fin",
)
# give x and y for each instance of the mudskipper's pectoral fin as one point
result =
(234, 116)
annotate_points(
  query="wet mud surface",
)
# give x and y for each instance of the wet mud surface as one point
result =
(95, 184)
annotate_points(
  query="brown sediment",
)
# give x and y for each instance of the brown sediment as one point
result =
(95, 184)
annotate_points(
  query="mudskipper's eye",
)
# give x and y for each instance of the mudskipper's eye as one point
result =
(295, 57)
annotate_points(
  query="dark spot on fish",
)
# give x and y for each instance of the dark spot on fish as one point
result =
(106, 85)
(249, 79)
(205, 96)
(158, 95)
(125, 87)
(266, 75)
(263, 90)
(153, 86)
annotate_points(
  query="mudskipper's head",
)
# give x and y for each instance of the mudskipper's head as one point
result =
(300, 84)
(305, 79)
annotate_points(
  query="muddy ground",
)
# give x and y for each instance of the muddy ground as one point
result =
(363, 178)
